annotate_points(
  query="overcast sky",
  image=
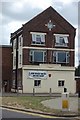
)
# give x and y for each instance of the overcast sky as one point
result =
(14, 13)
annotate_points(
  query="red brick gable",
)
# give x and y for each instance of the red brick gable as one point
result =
(37, 24)
(52, 14)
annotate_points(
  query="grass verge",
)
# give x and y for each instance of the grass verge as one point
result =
(28, 102)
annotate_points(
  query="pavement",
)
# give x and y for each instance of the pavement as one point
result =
(56, 103)
(49, 102)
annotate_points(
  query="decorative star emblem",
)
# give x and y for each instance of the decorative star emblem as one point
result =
(50, 25)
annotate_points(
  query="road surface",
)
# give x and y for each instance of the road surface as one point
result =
(8, 113)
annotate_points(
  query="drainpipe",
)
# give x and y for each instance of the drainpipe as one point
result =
(16, 75)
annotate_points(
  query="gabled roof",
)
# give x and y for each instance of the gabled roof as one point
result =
(48, 13)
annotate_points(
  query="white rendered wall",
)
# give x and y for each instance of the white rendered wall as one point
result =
(51, 82)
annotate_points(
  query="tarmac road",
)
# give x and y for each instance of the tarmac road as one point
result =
(8, 113)
(19, 115)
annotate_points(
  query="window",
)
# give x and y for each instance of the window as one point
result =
(61, 57)
(13, 83)
(38, 38)
(37, 56)
(61, 83)
(61, 40)
(19, 83)
(37, 83)
(14, 60)
(14, 44)
(20, 58)
(20, 41)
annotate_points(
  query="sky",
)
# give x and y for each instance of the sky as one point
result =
(14, 13)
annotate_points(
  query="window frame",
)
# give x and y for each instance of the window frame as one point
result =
(20, 57)
(37, 85)
(20, 41)
(36, 36)
(59, 37)
(14, 61)
(32, 53)
(56, 56)
(61, 83)
(14, 44)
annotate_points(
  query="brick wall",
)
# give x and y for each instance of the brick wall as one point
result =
(78, 85)
(37, 24)
(7, 66)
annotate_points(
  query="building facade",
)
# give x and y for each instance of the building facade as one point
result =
(43, 54)
(6, 67)
(77, 78)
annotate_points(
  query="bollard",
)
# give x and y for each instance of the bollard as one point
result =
(50, 91)
(65, 100)
(33, 91)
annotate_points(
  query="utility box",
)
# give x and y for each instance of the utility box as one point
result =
(65, 100)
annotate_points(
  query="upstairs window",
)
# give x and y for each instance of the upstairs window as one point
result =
(61, 40)
(37, 56)
(14, 61)
(20, 59)
(61, 57)
(14, 44)
(20, 41)
(38, 38)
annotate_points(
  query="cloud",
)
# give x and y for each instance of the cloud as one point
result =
(25, 10)
(9, 28)
(69, 11)
(17, 11)
(14, 13)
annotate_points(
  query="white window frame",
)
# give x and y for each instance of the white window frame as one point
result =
(20, 41)
(32, 54)
(20, 44)
(61, 83)
(55, 54)
(36, 35)
(37, 83)
(58, 38)
(14, 61)
(14, 44)
(20, 59)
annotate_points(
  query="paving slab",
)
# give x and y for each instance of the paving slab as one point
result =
(56, 103)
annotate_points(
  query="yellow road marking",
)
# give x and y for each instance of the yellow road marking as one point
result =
(34, 114)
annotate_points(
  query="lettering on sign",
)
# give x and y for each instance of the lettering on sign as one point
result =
(37, 74)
